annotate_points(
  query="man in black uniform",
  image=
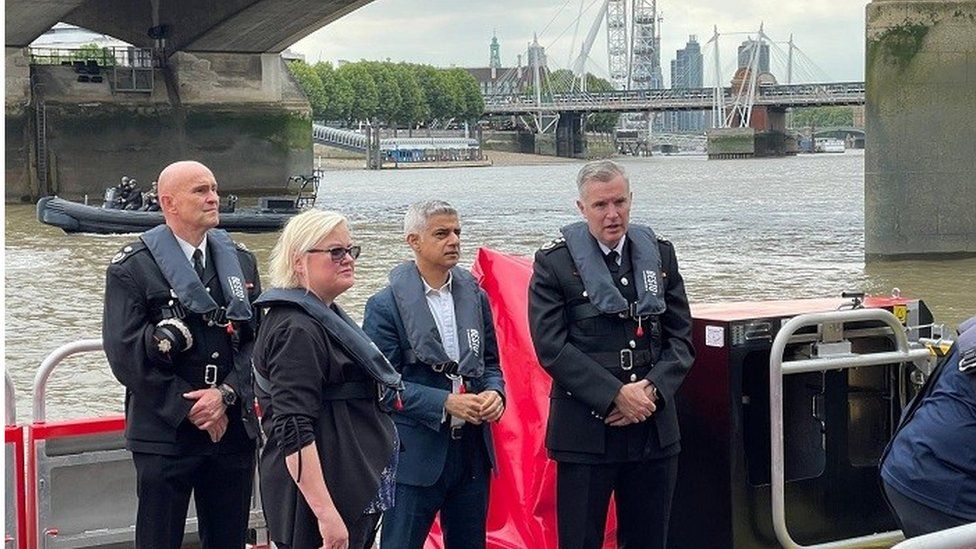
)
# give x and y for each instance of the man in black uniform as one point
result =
(178, 329)
(610, 323)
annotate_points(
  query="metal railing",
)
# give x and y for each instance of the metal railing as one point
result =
(87, 457)
(960, 537)
(47, 367)
(106, 57)
(778, 368)
(832, 93)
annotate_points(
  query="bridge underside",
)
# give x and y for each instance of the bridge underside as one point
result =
(228, 26)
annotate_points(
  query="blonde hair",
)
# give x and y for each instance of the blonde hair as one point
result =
(300, 235)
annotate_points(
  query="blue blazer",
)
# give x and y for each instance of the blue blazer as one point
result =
(420, 423)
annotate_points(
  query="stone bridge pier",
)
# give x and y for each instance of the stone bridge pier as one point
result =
(920, 158)
(241, 114)
(221, 94)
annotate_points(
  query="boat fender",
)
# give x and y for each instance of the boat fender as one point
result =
(128, 251)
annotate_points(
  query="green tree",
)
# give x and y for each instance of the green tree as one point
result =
(338, 92)
(308, 79)
(822, 117)
(388, 90)
(413, 103)
(93, 51)
(471, 105)
(437, 91)
(365, 98)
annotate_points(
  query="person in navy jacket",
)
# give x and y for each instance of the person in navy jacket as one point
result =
(434, 324)
(929, 468)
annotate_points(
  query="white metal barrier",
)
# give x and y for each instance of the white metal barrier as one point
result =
(778, 368)
(81, 481)
(960, 537)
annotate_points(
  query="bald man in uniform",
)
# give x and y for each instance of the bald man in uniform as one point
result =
(178, 330)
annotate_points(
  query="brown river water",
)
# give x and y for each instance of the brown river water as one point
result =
(744, 230)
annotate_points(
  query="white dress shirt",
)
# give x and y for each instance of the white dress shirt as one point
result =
(188, 249)
(441, 304)
(619, 248)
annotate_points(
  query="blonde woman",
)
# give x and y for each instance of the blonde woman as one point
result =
(327, 470)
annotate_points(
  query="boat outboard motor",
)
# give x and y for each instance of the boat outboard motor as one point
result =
(110, 200)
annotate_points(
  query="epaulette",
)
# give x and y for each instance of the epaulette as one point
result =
(662, 238)
(553, 244)
(128, 251)
(242, 247)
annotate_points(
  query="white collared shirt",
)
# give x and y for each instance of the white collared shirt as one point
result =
(619, 248)
(188, 249)
(441, 304)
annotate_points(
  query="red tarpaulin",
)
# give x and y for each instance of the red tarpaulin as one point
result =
(522, 509)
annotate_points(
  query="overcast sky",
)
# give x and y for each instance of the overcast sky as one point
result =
(458, 32)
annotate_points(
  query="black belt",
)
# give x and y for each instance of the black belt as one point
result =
(624, 359)
(449, 368)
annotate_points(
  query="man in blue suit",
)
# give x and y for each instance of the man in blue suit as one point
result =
(434, 324)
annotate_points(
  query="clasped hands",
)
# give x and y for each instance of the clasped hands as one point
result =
(209, 413)
(633, 404)
(475, 408)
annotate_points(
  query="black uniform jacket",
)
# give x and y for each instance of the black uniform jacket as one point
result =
(136, 296)
(354, 437)
(588, 353)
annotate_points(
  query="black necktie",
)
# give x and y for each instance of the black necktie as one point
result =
(611, 259)
(198, 262)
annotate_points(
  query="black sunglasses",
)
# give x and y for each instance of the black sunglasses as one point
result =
(337, 254)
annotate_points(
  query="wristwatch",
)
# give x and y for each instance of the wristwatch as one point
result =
(227, 394)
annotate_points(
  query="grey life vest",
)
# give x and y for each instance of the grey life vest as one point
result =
(418, 322)
(600, 288)
(344, 331)
(187, 286)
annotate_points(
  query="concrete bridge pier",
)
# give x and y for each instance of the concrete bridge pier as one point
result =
(241, 114)
(920, 158)
(570, 135)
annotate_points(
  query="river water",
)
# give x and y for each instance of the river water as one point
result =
(744, 230)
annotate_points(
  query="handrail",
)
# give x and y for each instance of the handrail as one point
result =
(960, 537)
(47, 367)
(10, 400)
(777, 369)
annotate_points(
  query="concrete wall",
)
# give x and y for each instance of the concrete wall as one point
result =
(241, 114)
(920, 162)
(17, 121)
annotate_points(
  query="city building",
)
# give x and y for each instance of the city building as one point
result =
(745, 54)
(686, 72)
(498, 80)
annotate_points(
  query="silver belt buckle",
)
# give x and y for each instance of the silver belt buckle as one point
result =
(456, 432)
(626, 359)
(210, 375)
(438, 367)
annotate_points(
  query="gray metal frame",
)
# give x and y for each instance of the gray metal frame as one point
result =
(86, 493)
(778, 368)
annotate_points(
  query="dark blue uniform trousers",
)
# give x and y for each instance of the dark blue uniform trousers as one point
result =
(460, 494)
(221, 487)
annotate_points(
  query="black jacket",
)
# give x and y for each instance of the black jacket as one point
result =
(581, 348)
(136, 294)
